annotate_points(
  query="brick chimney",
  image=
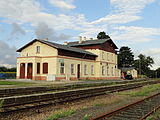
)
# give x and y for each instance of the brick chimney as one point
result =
(80, 39)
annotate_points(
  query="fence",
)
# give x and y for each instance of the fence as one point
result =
(7, 75)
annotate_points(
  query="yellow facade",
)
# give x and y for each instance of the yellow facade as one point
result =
(133, 72)
(104, 67)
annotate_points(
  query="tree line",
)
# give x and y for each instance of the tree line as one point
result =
(5, 69)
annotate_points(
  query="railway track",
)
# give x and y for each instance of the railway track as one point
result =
(15, 103)
(8, 92)
(135, 111)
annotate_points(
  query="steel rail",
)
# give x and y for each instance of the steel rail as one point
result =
(138, 110)
(30, 101)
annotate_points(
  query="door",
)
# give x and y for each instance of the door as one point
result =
(22, 70)
(29, 71)
(78, 71)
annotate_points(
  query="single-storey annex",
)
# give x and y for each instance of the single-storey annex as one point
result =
(83, 59)
(129, 70)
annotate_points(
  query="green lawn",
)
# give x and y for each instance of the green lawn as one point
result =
(16, 83)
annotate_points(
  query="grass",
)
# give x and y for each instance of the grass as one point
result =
(144, 91)
(98, 104)
(155, 116)
(61, 114)
(86, 117)
(1, 103)
(17, 83)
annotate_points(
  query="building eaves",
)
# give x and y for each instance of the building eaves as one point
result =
(58, 46)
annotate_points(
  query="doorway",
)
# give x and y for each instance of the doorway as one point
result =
(22, 70)
(78, 71)
(29, 71)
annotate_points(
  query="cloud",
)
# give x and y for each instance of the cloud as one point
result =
(116, 19)
(63, 4)
(43, 31)
(17, 29)
(153, 51)
(8, 55)
(133, 34)
(130, 7)
(30, 11)
(124, 11)
(155, 54)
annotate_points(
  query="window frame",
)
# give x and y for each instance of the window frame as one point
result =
(92, 69)
(103, 70)
(85, 69)
(72, 69)
(62, 68)
(38, 68)
(37, 49)
(45, 68)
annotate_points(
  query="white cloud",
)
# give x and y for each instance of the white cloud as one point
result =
(17, 29)
(133, 34)
(124, 11)
(153, 51)
(30, 11)
(8, 55)
(116, 18)
(43, 31)
(63, 4)
(130, 7)
(155, 54)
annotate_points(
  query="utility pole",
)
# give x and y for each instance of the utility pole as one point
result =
(156, 74)
(139, 68)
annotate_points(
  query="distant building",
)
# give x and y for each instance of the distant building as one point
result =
(83, 59)
(129, 70)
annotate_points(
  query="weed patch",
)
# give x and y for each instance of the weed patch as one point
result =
(144, 91)
(86, 117)
(61, 114)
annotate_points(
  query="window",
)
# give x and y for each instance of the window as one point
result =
(102, 55)
(38, 49)
(72, 68)
(92, 69)
(85, 69)
(112, 70)
(62, 67)
(103, 71)
(45, 68)
(38, 68)
(107, 70)
(108, 56)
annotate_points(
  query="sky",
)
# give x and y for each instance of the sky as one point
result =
(132, 23)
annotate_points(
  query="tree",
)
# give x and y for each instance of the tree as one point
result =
(102, 35)
(143, 64)
(125, 57)
(4, 69)
(157, 72)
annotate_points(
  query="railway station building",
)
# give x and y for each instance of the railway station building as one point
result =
(83, 59)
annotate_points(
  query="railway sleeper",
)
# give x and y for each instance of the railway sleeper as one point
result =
(127, 116)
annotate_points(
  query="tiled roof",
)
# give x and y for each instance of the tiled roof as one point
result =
(91, 42)
(125, 69)
(58, 46)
